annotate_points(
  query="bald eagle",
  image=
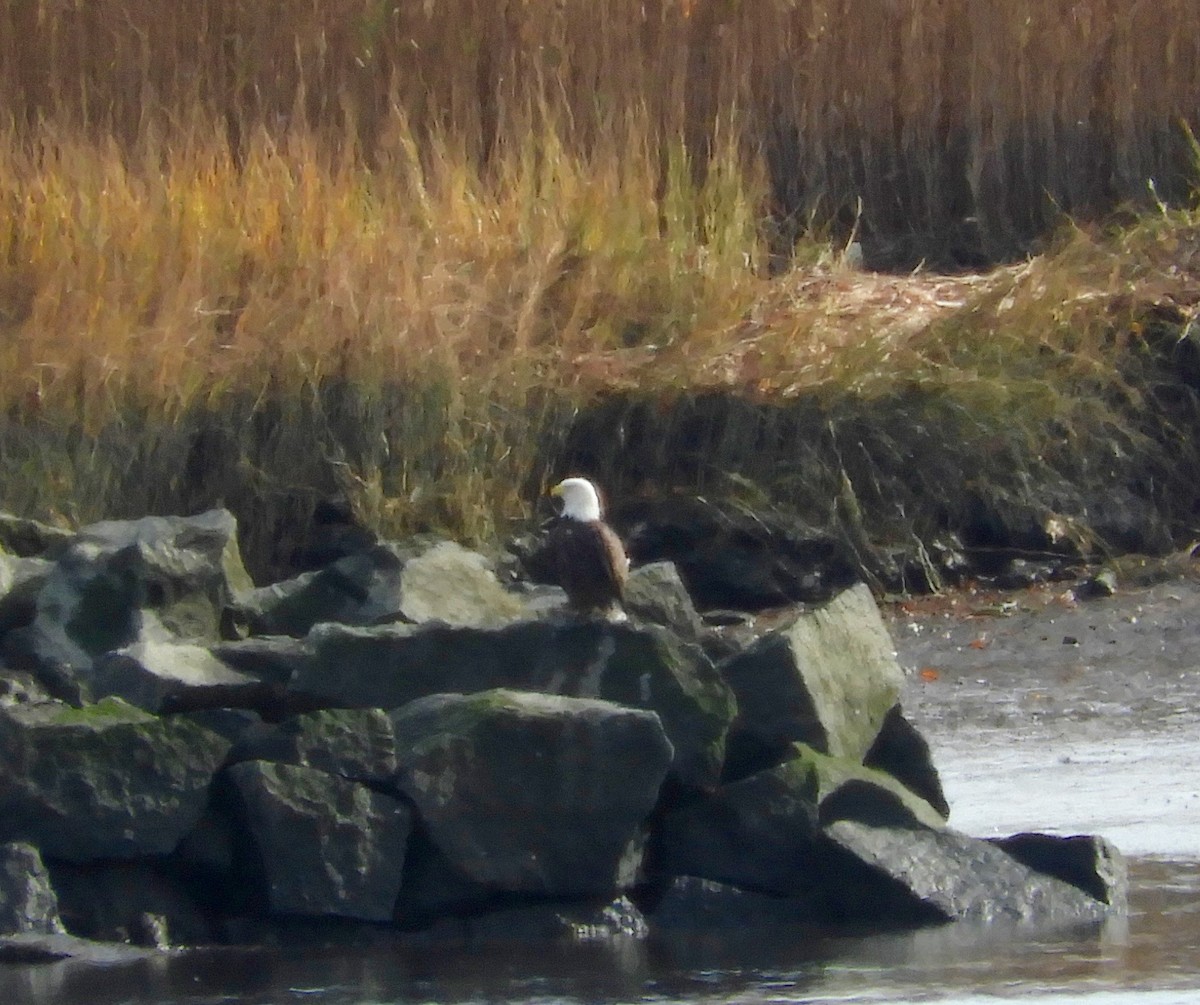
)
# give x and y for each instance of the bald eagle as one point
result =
(587, 557)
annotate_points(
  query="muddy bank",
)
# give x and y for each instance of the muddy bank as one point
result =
(1048, 713)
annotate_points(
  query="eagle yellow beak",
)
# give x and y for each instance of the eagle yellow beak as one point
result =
(557, 491)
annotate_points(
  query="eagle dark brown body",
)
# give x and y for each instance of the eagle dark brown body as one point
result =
(588, 558)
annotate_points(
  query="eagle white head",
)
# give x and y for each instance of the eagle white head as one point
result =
(580, 500)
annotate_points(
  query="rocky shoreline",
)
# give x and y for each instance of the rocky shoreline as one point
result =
(405, 740)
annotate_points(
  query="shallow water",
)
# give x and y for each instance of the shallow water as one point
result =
(1030, 732)
(1152, 959)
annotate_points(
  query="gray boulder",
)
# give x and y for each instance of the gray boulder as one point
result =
(902, 752)
(827, 679)
(358, 589)
(174, 677)
(327, 846)
(31, 538)
(386, 583)
(120, 582)
(656, 593)
(1091, 863)
(272, 659)
(896, 874)
(21, 580)
(357, 744)
(764, 832)
(647, 668)
(27, 899)
(449, 584)
(106, 781)
(533, 794)
(20, 688)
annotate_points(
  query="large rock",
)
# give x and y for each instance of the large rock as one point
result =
(124, 581)
(902, 752)
(27, 899)
(174, 677)
(326, 845)
(829, 679)
(450, 584)
(32, 539)
(530, 793)
(273, 659)
(1091, 863)
(386, 583)
(891, 875)
(358, 744)
(648, 668)
(358, 589)
(20, 688)
(21, 580)
(763, 832)
(656, 593)
(106, 781)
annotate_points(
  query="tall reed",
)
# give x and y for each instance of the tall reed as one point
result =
(963, 129)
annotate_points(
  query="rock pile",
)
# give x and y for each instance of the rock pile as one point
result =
(401, 739)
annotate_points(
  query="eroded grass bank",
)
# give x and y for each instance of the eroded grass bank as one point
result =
(181, 331)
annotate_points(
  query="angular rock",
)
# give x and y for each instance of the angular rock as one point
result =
(27, 538)
(893, 875)
(648, 668)
(386, 583)
(123, 581)
(531, 793)
(327, 845)
(359, 589)
(21, 580)
(27, 899)
(18, 688)
(828, 679)
(357, 744)
(656, 594)
(902, 752)
(174, 677)
(106, 781)
(1091, 863)
(450, 584)
(272, 659)
(763, 833)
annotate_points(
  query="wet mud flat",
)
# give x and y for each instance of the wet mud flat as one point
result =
(1046, 712)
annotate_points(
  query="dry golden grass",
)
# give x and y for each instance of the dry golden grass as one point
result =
(261, 252)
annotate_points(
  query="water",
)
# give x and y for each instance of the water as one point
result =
(1029, 732)
(1153, 959)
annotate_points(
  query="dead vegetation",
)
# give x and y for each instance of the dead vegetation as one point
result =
(262, 253)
